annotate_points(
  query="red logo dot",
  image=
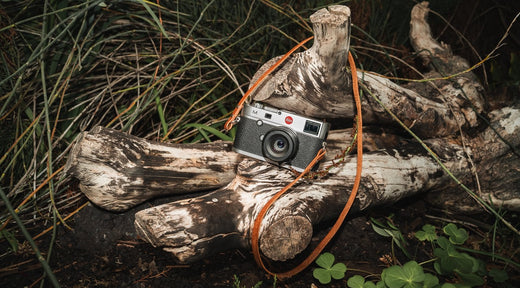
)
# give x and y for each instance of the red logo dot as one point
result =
(288, 120)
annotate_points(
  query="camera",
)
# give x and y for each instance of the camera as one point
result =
(278, 136)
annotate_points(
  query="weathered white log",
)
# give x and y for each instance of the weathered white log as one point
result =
(463, 90)
(495, 153)
(193, 228)
(118, 171)
(208, 224)
(316, 83)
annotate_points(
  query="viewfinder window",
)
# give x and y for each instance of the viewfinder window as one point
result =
(311, 127)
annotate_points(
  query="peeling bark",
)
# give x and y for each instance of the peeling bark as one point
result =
(118, 171)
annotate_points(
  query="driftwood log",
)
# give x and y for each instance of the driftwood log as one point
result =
(117, 171)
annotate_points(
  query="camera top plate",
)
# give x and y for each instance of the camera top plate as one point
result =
(278, 117)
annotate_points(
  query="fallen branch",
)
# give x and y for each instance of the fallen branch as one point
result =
(118, 171)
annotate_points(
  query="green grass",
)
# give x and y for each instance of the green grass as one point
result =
(169, 73)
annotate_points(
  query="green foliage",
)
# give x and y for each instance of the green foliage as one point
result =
(390, 230)
(171, 72)
(328, 270)
(450, 261)
(358, 281)
(457, 235)
(498, 275)
(427, 233)
(11, 239)
(449, 264)
(410, 275)
(205, 129)
(238, 284)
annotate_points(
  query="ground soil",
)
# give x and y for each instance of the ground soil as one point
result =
(103, 251)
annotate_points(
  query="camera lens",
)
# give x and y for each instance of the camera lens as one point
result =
(280, 144)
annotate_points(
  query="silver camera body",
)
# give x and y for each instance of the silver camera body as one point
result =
(278, 136)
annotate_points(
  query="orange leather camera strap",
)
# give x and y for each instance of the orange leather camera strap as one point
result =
(255, 233)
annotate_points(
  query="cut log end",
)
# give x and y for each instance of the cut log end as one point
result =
(286, 238)
(332, 15)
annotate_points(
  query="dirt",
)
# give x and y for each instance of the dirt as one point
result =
(103, 251)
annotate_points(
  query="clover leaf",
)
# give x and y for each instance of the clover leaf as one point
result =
(457, 235)
(410, 275)
(427, 233)
(430, 281)
(499, 276)
(471, 279)
(328, 270)
(450, 260)
(356, 281)
(444, 243)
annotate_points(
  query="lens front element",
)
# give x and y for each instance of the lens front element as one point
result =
(280, 144)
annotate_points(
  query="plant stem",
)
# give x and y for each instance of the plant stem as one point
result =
(428, 261)
(492, 255)
(45, 265)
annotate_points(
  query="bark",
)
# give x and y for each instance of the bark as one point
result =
(190, 230)
(316, 83)
(493, 175)
(194, 228)
(117, 170)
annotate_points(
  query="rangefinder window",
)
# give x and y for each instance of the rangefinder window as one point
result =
(312, 127)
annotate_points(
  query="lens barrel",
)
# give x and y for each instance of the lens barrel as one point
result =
(280, 144)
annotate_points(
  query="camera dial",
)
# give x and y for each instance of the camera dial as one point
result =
(280, 144)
